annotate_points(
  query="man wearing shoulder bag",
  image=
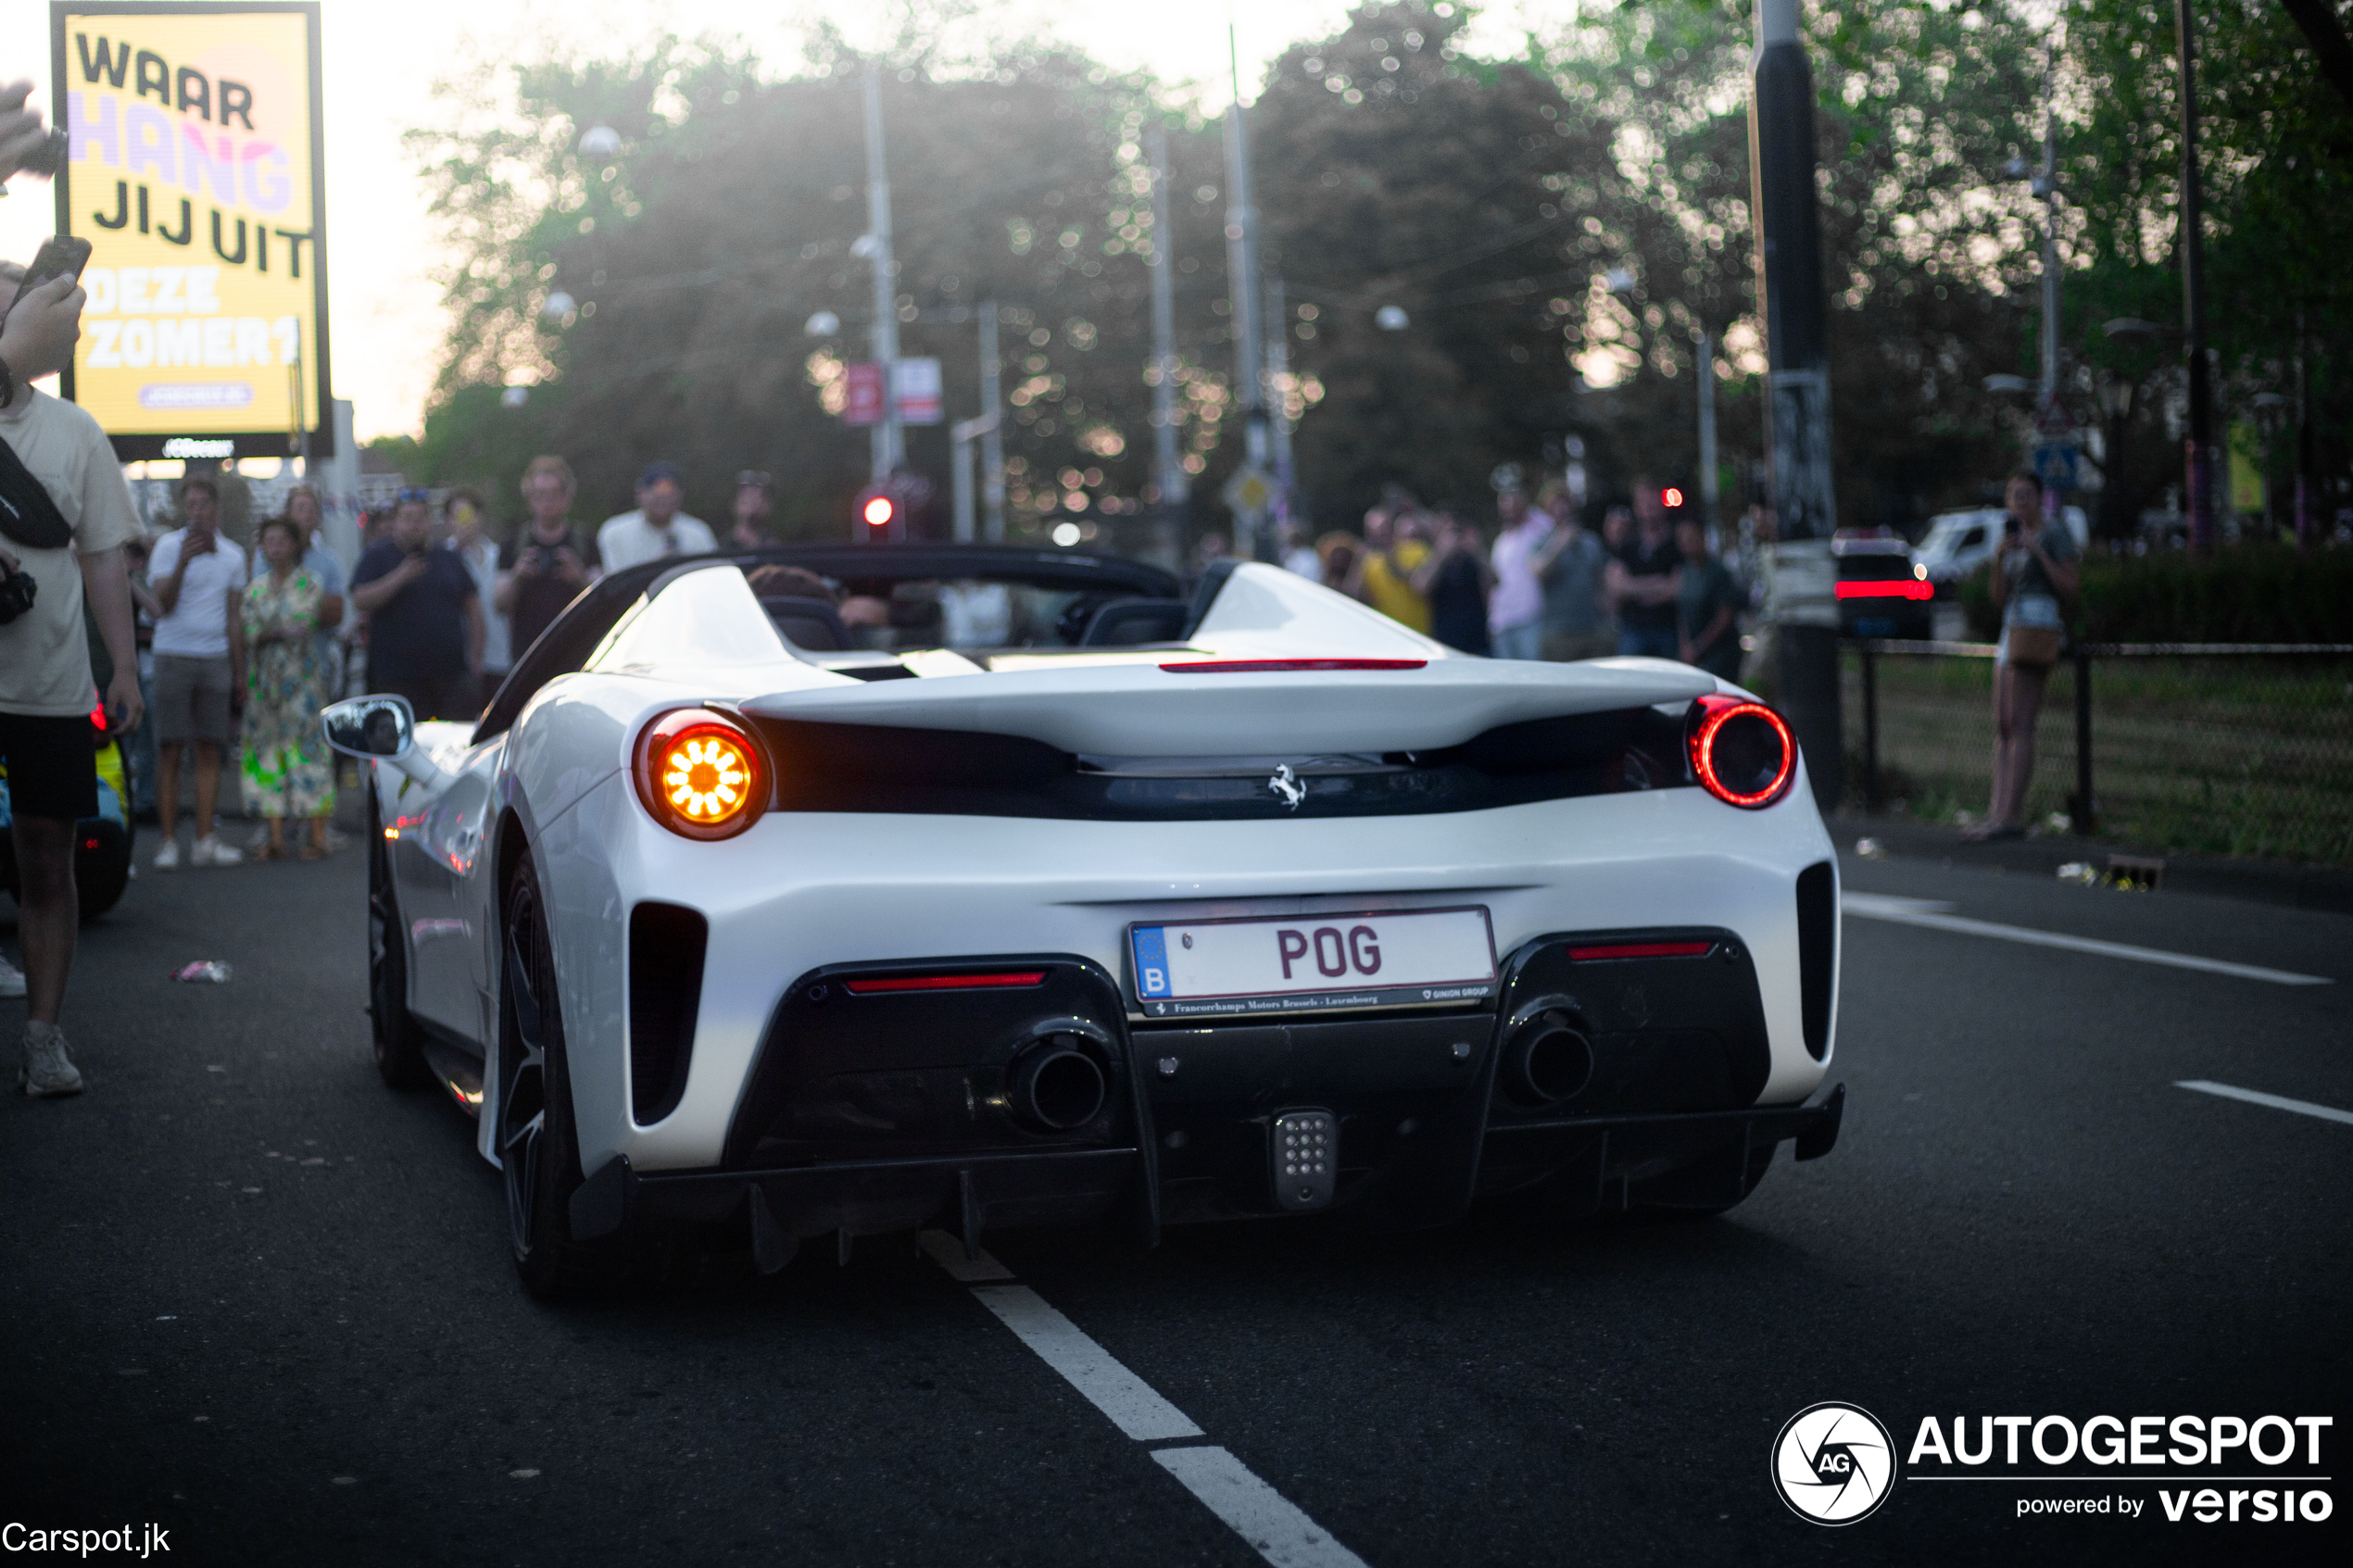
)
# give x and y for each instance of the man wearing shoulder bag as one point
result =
(2036, 578)
(65, 515)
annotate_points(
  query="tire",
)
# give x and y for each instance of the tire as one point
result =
(538, 1150)
(104, 889)
(399, 1042)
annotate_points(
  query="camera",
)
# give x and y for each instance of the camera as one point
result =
(15, 595)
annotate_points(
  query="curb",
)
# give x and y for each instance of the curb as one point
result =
(2261, 881)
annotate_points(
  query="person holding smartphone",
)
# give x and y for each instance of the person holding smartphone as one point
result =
(2036, 576)
(544, 566)
(68, 514)
(196, 572)
(424, 617)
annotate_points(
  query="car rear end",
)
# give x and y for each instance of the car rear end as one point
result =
(1881, 591)
(984, 975)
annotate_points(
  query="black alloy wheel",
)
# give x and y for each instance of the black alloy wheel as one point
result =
(538, 1151)
(400, 1043)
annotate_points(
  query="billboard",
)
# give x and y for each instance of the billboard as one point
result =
(196, 175)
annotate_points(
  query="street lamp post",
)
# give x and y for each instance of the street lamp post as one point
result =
(1789, 265)
(2199, 477)
(1244, 299)
(1168, 470)
(890, 441)
(2304, 499)
(1705, 356)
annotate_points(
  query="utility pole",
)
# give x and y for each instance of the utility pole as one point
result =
(1278, 347)
(2199, 476)
(2047, 188)
(992, 438)
(890, 442)
(2304, 486)
(1241, 289)
(2049, 418)
(1705, 357)
(1168, 472)
(1789, 265)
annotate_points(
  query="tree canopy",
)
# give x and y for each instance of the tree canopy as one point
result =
(1557, 226)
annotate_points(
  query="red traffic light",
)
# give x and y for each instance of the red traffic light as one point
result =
(877, 511)
(1670, 498)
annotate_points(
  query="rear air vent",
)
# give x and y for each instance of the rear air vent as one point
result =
(666, 946)
(1817, 952)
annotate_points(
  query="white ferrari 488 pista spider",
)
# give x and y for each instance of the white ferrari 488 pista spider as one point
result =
(839, 891)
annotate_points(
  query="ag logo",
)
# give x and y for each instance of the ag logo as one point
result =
(1833, 1463)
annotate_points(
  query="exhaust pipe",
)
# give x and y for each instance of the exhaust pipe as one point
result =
(1056, 1087)
(1548, 1060)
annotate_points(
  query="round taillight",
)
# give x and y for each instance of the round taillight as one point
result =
(1741, 750)
(702, 773)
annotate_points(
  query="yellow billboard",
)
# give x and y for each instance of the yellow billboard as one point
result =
(195, 174)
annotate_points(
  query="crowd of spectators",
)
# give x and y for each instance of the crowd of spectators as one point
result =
(243, 640)
(1541, 586)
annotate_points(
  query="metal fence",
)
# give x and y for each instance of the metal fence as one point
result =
(2220, 749)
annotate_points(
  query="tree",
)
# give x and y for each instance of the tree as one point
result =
(2275, 160)
(691, 259)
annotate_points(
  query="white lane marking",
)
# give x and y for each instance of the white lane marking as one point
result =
(2277, 1102)
(1924, 912)
(1261, 1516)
(1130, 1402)
(949, 1253)
(1274, 1526)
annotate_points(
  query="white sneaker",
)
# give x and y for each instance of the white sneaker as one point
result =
(210, 851)
(46, 1072)
(11, 979)
(168, 858)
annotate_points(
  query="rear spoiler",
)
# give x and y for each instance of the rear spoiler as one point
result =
(1162, 709)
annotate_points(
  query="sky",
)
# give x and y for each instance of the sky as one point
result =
(386, 322)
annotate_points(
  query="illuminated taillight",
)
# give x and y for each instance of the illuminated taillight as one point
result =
(1741, 750)
(702, 773)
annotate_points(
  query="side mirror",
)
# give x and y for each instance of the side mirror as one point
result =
(370, 726)
(379, 728)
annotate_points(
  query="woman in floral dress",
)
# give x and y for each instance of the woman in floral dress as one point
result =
(288, 770)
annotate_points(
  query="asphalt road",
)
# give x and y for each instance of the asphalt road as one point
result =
(256, 1298)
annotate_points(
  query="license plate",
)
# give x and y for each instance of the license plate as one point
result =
(1305, 963)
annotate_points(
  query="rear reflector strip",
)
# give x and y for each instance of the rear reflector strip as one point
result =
(944, 982)
(1901, 588)
(1284, 666)
(1645, 950)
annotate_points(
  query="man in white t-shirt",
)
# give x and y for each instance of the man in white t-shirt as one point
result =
(198, 576)
(46, 689)
(657, 528)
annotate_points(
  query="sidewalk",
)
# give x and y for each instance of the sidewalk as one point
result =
(2262, 881)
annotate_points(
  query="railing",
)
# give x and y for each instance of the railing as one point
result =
(2239, 748)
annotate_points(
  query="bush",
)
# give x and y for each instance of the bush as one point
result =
(2245, 593)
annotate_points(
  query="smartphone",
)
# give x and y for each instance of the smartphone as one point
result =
(61, 256)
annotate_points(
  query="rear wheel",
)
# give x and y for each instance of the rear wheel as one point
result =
(399, 1043)
(538, 1150)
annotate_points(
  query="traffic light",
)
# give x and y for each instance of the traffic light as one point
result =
(880, 519)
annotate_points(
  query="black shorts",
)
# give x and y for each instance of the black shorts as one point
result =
(52, 763)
